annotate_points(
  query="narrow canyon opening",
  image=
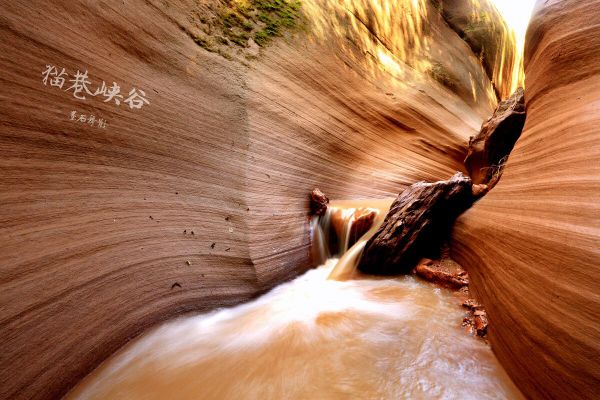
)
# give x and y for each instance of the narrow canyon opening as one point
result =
(338, 331)
(316, 338)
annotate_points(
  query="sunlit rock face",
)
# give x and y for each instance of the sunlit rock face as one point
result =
(480, 25)
(531, 245)
(198, 198)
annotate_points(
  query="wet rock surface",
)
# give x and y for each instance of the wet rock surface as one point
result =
(419, 220)
(346, 231)
(476, 321)
(444, 272)
(345, 226)
(363, 221)
(489, 150)
(318, 202)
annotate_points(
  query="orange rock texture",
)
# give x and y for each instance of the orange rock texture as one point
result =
(531, 245)
(198, 198)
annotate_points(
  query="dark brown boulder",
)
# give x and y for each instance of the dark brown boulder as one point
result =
(418, 222)
(318, 202)
(489, 150)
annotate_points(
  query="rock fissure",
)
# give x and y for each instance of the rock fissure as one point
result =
(414, 234)
(422, 216)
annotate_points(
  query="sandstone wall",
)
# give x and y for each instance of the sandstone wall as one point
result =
(96, 223)
(532, 244)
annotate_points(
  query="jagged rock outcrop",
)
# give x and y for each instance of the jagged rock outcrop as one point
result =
(318, 202)
(444, 272)
(418, 222)
(531, 245)
(489, 150)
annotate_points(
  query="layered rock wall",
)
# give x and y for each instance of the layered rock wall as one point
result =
(198, 199)
(531, 246)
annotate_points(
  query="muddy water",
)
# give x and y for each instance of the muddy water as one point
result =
(311, 338)
(345, 268)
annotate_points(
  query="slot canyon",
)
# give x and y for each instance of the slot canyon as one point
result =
(158, 238)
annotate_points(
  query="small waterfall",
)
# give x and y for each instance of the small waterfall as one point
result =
(320, 336)
(344, 231)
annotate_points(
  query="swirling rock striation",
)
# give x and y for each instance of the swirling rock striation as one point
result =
(531, 246)
(198, 199)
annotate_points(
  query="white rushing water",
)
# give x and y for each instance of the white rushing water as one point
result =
(311, 338)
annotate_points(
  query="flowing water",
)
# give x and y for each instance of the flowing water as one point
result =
(313, 338)
(347, 212)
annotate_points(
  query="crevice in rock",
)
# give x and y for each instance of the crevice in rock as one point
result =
(422, 216)
(414, 234)
(488, 151)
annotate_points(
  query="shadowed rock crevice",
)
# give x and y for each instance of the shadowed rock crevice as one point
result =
(489, 150)
(417, 224)
(420, 219)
